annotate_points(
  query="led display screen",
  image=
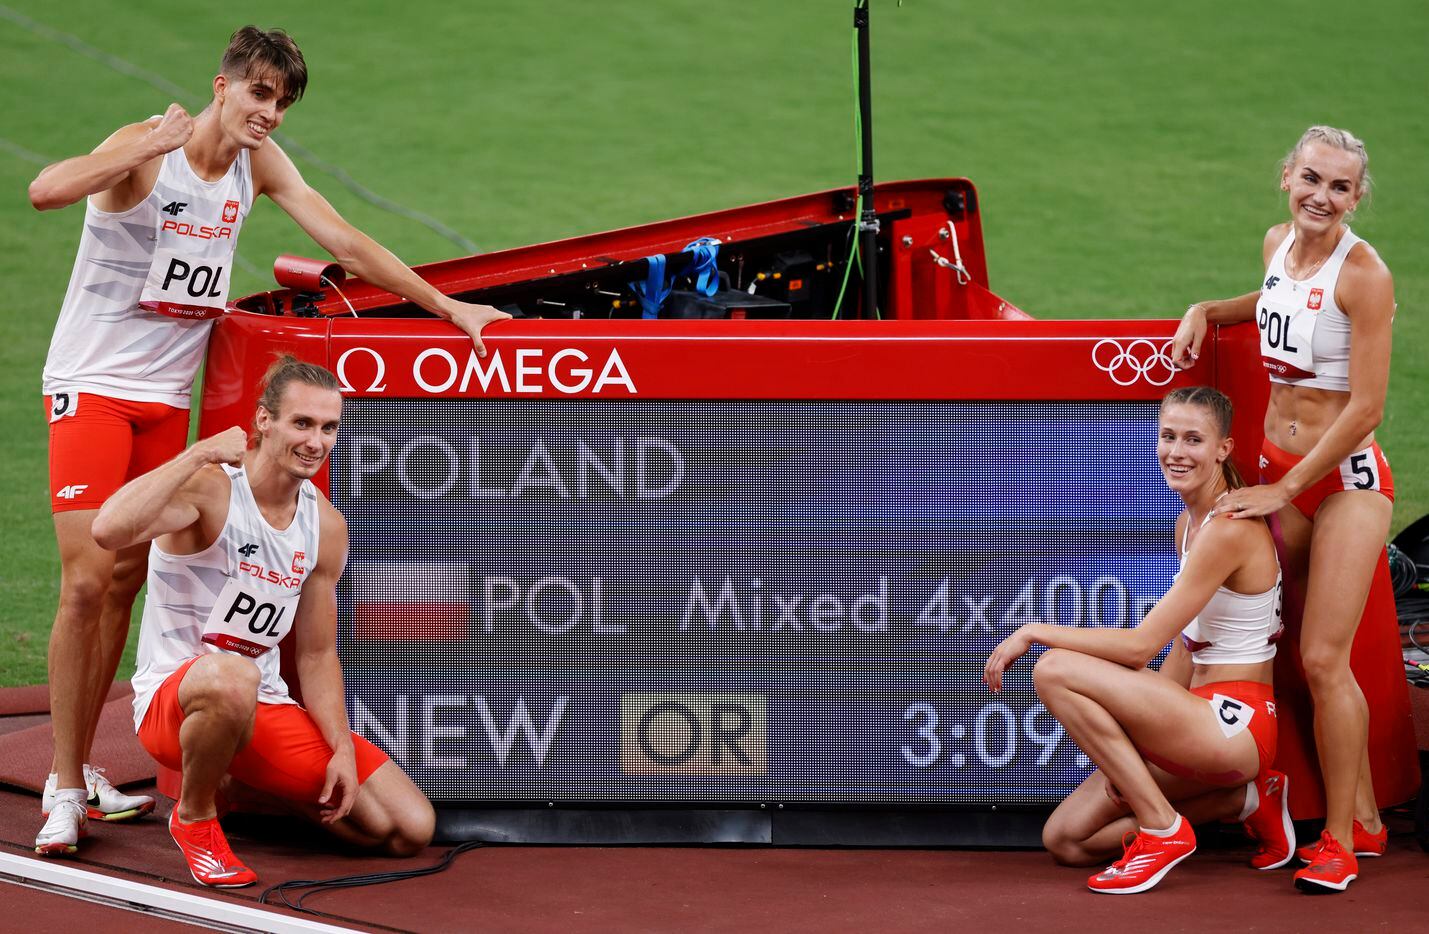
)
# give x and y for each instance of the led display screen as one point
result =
(732, 601)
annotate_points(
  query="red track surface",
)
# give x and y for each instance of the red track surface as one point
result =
(580, 889)
(577, 889)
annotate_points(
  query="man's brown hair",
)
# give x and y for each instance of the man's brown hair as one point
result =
(253, 53)
(287, 369)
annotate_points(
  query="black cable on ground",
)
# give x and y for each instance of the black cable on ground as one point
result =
(314, 886)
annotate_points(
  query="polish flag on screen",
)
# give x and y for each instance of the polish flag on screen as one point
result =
(411, 602)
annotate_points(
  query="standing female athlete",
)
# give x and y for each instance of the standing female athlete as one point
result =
(1201, 732)
(1324, 315)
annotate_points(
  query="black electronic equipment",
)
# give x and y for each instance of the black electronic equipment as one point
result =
(726, 303)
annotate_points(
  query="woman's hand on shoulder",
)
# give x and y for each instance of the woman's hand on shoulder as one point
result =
(1251, 501)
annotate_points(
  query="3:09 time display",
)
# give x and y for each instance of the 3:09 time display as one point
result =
(994, 736)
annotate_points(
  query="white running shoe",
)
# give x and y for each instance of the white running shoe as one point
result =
(105, 802)
(62, 831)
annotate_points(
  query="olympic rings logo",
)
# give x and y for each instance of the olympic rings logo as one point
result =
(1141, 359)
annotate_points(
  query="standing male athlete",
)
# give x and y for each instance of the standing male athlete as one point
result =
(246, 549)
(166, 200)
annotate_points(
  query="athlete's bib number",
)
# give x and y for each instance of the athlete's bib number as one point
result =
(1286, 336)
(1232, 716)
(63, 404)
(185, 286)
(1360, 471)
(247, 621)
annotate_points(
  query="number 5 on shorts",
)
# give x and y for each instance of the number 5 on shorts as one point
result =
(1362, 466)
(1232, 716)
(62, 404)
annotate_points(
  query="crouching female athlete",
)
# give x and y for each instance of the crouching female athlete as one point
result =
(1201, 731)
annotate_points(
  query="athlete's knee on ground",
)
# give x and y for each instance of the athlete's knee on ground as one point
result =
(1070, 843)
(1064, 846)
(399, 818)
(412, 830)
(410, 821)
(395, 831)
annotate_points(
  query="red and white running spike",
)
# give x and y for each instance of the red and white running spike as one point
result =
(1146, 860)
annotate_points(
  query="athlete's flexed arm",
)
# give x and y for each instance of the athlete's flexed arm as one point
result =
(319, 671)
(1220, 553)
(121, 170)
(172, 498)
(275, 175)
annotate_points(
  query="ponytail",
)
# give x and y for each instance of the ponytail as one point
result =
(1234, 481)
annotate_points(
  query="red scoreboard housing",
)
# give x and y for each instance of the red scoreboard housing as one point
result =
(941, 351)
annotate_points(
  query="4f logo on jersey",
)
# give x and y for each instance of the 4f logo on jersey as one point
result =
(298, 559)
(174, 208)
(230, 212)
(1317, 297)
(248, 550)
(1270, 281)
(73, 490)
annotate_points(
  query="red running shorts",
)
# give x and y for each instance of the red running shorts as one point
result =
(97, 444)
(1363, 470)
(286, 757)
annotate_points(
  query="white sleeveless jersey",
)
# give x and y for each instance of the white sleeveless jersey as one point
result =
(240, 594)
(1234, 628)
(146, 285)
(1304, 336)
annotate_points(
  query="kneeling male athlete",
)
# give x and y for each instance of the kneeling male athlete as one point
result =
(245, 549)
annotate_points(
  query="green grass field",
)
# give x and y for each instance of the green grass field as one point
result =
(1126, 153)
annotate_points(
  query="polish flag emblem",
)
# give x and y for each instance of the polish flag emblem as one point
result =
(230, 212)
(426, 602)
(1316, 297)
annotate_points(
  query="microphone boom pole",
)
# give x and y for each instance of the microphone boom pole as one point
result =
(868, 217)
